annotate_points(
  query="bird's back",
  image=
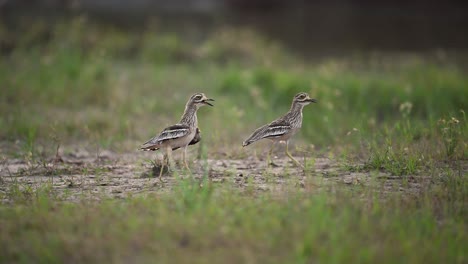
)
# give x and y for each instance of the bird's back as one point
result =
(275, 129)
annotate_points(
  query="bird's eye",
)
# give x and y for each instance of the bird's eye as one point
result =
(198, 97)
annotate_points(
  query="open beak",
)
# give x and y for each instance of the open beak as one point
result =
(206, 101)
(312, 100)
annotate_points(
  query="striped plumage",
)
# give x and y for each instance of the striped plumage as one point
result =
(284, 127)
(182, 134)
(195, 140)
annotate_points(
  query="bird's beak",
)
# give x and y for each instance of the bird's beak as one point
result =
(312, 100)
(206, 101)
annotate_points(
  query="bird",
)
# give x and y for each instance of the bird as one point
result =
(195, 140)
(182, 134)
(284, 127)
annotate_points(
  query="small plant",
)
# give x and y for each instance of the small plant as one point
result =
(26, 194)
(451, 131)
(57, 142)
(309, 164)
(404, 125)
(397, 162)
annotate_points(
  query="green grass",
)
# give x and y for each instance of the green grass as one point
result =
(202, 224)
(80, 82)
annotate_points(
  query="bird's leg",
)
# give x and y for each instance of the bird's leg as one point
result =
(291, 157)
(170, 160)
(270, 152)
(161, 169)
(165, 159)
(184, 157)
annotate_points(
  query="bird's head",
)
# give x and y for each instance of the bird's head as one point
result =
(200, 99)
(303, 99)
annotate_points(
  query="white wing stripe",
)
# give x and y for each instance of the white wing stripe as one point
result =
(172, 134)
(277, 131)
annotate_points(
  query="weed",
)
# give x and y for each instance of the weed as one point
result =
(202, 223)
(399, 162)
(451, 131)
(19, 193)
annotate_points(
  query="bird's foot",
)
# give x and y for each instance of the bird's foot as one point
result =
(273, 164)
(297, 163)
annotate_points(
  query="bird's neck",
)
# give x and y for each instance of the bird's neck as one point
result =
(190, 116)
(295, 115)
(296, 108)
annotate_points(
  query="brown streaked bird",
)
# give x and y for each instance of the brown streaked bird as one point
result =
(284, 127)
(195, 140)
(182, 134)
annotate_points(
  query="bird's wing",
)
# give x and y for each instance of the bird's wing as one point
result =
(174, 132)
(171, 132)
(276, 128)
(195, 139)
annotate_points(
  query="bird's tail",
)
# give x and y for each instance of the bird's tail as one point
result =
(149, 147)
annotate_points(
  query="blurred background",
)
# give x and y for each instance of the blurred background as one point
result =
(117, 72)
(307, 27)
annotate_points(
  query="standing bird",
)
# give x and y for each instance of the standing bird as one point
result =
(284, 127)
(182, 134)
(195, 140)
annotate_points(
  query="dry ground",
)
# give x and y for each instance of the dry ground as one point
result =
(81, 174)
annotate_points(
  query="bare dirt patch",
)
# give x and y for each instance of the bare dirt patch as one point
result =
(110, 175)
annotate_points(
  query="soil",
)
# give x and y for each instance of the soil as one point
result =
(83, 175)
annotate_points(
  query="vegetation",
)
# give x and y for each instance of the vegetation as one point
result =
(77, 81)
(200, 224)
